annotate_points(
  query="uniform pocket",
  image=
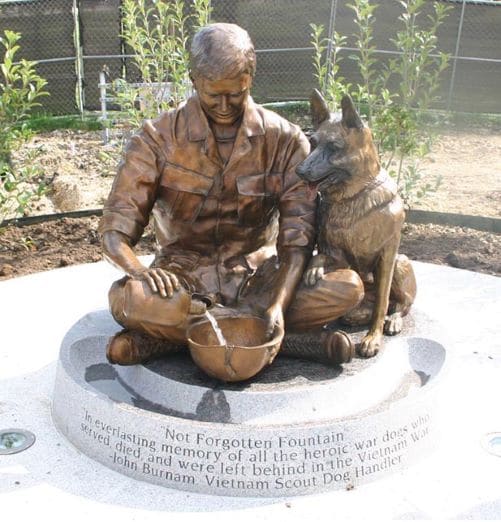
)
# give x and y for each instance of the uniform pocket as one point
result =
(182, 193)
(256, 197)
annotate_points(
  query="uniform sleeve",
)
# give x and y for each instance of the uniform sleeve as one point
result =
(132, 195)
(297, 204)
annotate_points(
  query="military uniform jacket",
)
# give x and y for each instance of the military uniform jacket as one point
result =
(215, 223)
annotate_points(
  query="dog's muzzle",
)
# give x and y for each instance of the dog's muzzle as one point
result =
(302, 170)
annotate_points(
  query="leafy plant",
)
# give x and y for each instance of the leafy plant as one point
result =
(157, 32)
(420, 63)
(326, 63)
(19, 93)
(20, 187)
(395, 95)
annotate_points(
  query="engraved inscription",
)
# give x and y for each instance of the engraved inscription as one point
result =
(281, 461)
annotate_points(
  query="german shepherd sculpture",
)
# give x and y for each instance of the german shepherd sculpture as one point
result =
(360, 216)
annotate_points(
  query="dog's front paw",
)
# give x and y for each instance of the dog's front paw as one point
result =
(370, 345)
(312, 275)
(393, 324)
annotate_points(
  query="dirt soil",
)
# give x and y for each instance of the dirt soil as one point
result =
(469, 164)
(79, 170)
(54, 244)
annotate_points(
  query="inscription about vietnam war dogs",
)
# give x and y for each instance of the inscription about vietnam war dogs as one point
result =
(278, 462)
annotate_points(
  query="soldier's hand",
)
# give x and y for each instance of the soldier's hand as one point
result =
(312, 275)
(316, 269)
(160, 281)
(274, 318)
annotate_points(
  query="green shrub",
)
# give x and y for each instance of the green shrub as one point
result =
(157, 33)
(20, 89)
(395, 95)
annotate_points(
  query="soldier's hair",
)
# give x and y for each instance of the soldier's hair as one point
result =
(222, 51)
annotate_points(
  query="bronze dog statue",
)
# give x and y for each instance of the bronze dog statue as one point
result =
(360, 216)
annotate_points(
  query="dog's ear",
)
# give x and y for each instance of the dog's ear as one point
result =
(351, 118)
(318, 107)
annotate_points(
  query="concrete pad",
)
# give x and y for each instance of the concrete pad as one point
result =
(52, 478)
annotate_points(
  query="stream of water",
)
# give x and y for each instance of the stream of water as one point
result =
(219, 334)
(228, 349)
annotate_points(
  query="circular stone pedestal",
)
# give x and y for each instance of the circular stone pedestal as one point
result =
(297, 428)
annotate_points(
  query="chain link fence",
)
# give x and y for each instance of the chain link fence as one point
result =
(72, 40)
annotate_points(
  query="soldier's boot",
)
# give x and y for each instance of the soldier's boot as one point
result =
(132, 347)
(329, 347)
(338, 346)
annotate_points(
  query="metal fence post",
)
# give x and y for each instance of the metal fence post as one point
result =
(79, 66)
(332, 25)
(456, 52)
(104, 109)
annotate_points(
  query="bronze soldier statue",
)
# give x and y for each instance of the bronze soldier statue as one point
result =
(235, 225)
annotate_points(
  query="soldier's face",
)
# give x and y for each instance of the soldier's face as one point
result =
(223, 101)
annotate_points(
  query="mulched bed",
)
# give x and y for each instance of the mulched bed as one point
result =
(45, 246)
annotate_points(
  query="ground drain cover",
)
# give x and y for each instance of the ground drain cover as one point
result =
(492, 443)
(15, 441)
